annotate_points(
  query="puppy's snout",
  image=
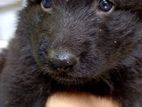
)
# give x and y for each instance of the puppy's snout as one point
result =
(61, 60)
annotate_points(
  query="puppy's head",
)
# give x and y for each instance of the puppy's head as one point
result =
(75, 41)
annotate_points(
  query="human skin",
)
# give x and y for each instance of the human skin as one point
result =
(79, 100)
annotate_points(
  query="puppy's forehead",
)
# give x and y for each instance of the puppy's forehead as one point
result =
(70, 3)
(122, 2)
(61, 0)
(128, 3)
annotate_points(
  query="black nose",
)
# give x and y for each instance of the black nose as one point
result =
(61, 60)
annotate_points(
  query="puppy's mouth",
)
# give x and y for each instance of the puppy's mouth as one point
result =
(69, 80)
(65, 76)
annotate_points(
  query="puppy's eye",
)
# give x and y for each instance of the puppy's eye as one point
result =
(105, 5)
(46, 5)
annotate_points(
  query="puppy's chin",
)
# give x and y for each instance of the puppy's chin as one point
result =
(72, 99)
(69, 80)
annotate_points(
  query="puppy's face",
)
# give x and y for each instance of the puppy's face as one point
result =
(75, 41)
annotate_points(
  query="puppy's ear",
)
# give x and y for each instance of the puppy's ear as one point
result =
(3, 55)
(129, 4)
(33, 1)
(134, 6)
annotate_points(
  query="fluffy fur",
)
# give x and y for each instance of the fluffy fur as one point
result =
(3, 55)
(108, 47)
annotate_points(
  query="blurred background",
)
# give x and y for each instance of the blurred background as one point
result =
(8, 19)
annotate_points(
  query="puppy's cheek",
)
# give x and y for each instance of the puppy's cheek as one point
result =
(79, 100)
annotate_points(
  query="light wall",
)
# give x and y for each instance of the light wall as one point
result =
(8, 20)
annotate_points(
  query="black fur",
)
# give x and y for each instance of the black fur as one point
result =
(3, 56)
(108, 47)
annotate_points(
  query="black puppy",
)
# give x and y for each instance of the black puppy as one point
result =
(91, 46)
